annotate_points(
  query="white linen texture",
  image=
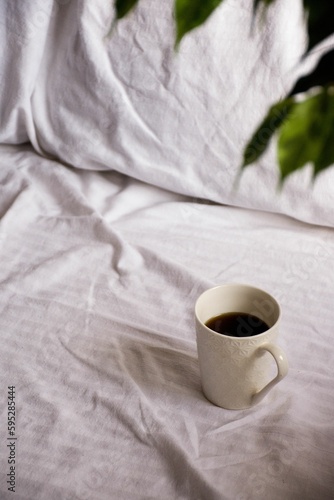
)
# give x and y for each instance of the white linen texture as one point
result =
(118, 159)
(128, 102)
(99, 278)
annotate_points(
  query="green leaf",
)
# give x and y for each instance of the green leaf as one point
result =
(320, 20)
(123, 7)
(321, 75)
(261, 138)
(325, 157)
(190, 14)
(307, 136)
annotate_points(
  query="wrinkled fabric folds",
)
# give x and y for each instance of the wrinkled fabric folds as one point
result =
(99, 278)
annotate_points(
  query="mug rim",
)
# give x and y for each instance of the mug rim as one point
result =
(243, 285)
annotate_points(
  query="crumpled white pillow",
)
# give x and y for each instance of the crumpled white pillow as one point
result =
(128, 102)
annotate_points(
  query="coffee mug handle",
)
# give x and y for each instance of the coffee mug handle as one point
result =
(282, 370)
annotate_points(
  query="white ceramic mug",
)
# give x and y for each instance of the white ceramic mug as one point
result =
(236, 371)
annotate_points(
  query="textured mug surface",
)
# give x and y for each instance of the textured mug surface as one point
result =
(237, 372)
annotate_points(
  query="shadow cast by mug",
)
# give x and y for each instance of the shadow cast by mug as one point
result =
(152, 366)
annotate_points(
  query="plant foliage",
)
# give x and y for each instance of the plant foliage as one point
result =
(307, 136)
(123, 7)
(305, 126)
(276, 116)
(190, 14)
(320, 20)
(321, 76)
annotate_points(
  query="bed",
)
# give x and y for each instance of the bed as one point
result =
(118, 208)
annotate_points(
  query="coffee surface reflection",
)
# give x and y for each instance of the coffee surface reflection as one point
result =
(237, 324)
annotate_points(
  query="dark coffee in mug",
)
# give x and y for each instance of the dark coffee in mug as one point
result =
(237, 324)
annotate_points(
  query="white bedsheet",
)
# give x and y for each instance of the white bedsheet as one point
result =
(99, 274)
